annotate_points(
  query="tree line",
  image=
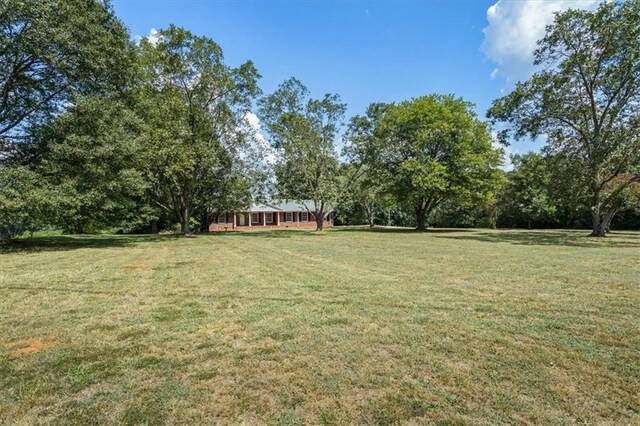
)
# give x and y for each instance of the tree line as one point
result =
(98, 131)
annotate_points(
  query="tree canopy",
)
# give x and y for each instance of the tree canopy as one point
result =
(98, 131)
(304, 130)
(50, 51)
(431, 149)
(586, 100)
(194, 105)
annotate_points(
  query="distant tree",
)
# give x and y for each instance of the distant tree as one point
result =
(304, 131)
(434, 149)
(586, 100)
(194, 106)
(525, 198)
(568, 190)
(369, 181)
(27, 204)
(51, 50)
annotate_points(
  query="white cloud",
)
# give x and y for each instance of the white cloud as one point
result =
(153, 37)
(515, 26)
(260, 145)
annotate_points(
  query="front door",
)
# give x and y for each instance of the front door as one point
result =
(241, 220)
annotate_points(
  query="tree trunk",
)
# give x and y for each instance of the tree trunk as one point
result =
(184, 219)
(598, 226)
(597, 219)
(319, 221)
(205, 221)
(371, 217)
(607, 220)
(421, 219)
(493, 217)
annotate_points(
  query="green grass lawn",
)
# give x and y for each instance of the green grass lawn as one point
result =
(347, 326)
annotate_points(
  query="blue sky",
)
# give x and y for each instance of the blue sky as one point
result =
(368, 51)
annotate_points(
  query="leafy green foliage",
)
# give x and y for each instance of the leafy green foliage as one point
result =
(525, 198)
(586, 100)
(26, 203)
(51, 50)
(431, 149)
(93, 155)
(193, 104)
(304, 131)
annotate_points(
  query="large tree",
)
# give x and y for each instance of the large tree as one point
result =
(194, 105)
(304, 131)
(93, 156)
(369, 188)
(51, 50)
(51, 53)
(432, 149)
(586, 100)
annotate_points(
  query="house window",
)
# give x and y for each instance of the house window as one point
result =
(305, 217)
(269, 217)
(289, 217)
(254, 217)
(222, 218)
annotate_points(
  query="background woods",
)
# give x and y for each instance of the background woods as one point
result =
(98, 132)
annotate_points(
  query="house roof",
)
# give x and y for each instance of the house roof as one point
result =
(295, 206)
(283, 206)
(260, 208)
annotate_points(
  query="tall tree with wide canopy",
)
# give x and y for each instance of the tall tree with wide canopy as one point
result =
(194, 105)
(93, 157)
(51, 50)
(432, 149)
(369, 182)
(586, 100)
(51, 53)
(304, 130)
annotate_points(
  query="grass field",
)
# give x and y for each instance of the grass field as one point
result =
(347, 326)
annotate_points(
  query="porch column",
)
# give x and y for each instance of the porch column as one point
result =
(250, 215)
(234, 220)
(264, 218)
(298, 219)
(277, 218)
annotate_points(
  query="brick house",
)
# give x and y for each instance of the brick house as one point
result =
(275, 215)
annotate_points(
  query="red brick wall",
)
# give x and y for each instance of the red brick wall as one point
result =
(228, 226)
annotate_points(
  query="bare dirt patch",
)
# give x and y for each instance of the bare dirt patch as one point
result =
(28, 346)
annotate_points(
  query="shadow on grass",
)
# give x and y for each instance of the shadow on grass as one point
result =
(275, 233)
(399, 230)
(572, 238)
(73, 242)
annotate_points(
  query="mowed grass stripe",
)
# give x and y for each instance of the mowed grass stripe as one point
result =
(350, 326)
